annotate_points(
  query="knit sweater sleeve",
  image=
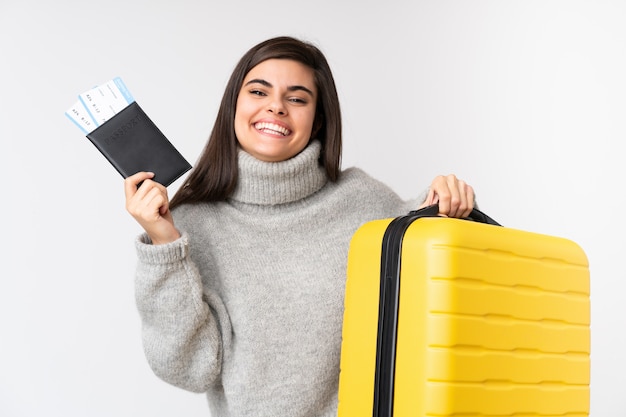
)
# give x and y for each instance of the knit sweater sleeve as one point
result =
(180, 327)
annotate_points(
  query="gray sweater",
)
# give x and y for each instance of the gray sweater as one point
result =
(247, 305)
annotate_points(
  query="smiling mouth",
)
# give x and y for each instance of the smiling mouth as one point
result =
(272, 129)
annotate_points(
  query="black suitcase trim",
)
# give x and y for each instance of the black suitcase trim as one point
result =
(389, 303)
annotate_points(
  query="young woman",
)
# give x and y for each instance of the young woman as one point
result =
(240, 278)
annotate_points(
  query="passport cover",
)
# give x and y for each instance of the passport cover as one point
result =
(132, 143)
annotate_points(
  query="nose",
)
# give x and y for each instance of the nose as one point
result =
(277, 107)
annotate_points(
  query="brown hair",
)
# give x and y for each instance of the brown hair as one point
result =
(215, 175)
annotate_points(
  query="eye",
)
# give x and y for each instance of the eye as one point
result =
(257, 93)
(298, 100)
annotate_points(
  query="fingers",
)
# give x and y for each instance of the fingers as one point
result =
(148, 202)
(132, 183)
(455, 196)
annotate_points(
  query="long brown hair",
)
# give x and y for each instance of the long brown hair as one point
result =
(214, 177)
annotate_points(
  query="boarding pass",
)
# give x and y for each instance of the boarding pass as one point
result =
(99, 104)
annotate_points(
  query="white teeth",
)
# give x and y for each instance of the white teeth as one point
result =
(272, 128)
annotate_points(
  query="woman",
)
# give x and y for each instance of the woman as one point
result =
(240, 279)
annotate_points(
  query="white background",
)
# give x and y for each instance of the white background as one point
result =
(526, 100)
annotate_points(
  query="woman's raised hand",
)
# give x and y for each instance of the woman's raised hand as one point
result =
(147, 202)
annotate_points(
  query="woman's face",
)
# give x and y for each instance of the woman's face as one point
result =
(276, 109)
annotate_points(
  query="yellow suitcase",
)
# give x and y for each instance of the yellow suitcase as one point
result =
(450, 317)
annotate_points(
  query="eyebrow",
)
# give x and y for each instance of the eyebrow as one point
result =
(290, 88)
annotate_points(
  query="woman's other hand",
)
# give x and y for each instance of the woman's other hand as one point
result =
(454, 196)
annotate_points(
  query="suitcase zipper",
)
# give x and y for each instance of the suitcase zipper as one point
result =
(388, 309)
(389, 301)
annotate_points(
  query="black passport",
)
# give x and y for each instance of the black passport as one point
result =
(133, 143)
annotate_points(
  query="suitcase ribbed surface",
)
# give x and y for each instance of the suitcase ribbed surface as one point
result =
(493, 322)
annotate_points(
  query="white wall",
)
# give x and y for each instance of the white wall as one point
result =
(524, 99)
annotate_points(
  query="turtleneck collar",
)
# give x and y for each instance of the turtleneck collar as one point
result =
(269, 183)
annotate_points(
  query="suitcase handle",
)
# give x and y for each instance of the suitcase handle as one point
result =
(433, 211)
